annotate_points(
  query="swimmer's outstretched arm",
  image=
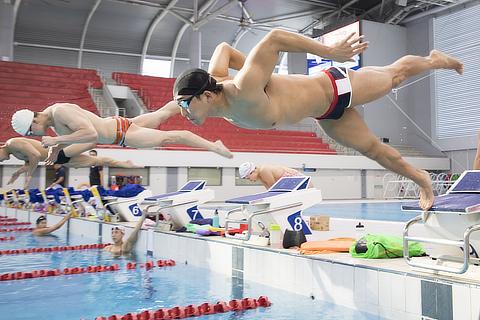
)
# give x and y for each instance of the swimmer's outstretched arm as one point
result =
(132, 239)
(223, 58)
(45, 231)
(153, 119)
(79, 148)
(17, 173)
(34, 157)
(190, 139)
(262, 59)
(70, 150)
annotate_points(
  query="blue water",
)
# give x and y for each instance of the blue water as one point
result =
(27, 240)
(87, 296)
(386, 211)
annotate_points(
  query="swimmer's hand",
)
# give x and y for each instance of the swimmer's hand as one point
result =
(52, 155)
(48, 141)
(222, 150)
(347, 48)
(14, 177)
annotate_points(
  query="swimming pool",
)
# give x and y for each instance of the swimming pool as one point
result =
(373, 210)
(86, 296)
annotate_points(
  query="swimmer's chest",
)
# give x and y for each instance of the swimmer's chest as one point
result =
(251, 116)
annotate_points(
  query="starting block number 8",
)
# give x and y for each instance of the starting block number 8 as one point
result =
(296, 222)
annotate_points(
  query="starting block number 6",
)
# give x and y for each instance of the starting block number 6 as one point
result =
(135, 210)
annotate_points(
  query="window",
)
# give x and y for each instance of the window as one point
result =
(456, 97)
(125, 176)
(282, 67)
(245, 182)
(213, 176)
(156, 68)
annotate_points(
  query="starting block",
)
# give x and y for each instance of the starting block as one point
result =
(449, 226)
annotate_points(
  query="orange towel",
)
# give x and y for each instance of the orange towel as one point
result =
(327, 246)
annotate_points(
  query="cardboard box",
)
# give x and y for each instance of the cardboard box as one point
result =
(320, 223)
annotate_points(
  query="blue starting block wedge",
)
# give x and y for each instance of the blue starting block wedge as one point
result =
(462, 197)
(192, 185)
(284, 185)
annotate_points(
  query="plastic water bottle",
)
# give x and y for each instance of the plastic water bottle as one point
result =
(275, 235)
(216, 220)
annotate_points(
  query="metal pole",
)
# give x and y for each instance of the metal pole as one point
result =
(84, 32)
(160, 16)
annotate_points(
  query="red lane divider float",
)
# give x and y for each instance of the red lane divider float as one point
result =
(78, 270)
(56, 272)
(6, 219)
(150, 264)
(7, 238)
(5, 224)
(194, 310)
(16, 230)
(54, 249)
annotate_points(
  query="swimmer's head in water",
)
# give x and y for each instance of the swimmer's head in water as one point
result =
(27, 123)
(194, 90)
(117, 234)
(42, 222)
(246, 169)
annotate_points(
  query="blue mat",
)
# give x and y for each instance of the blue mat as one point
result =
(248, 199)
(456, 202)
(470, 182)
(161, 196)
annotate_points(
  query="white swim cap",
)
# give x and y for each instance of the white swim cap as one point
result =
(122, 230)
(245, 169)
(22, 120)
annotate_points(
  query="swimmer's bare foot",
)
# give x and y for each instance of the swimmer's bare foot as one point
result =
(426, 192)
(445, 61)
(222, 150)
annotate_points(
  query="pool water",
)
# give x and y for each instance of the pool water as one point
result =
(87, 296)
(387, 211)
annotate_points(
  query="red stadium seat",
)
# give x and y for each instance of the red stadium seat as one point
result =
(34, 86)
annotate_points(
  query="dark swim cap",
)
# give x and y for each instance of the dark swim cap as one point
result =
(41, 218)
(193, 82)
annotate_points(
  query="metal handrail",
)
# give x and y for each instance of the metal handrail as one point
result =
(463, 244)
(157, 213)
(250, 218)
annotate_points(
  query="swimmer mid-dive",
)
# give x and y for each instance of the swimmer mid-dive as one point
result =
(32, 152)
(75, 125)
(268, 175)
(41, 228)
(120, 247)
(257, 99)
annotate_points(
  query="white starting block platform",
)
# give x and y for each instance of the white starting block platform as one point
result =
(449, 226)
(127, 208)
(181, 205)
(282, 204)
